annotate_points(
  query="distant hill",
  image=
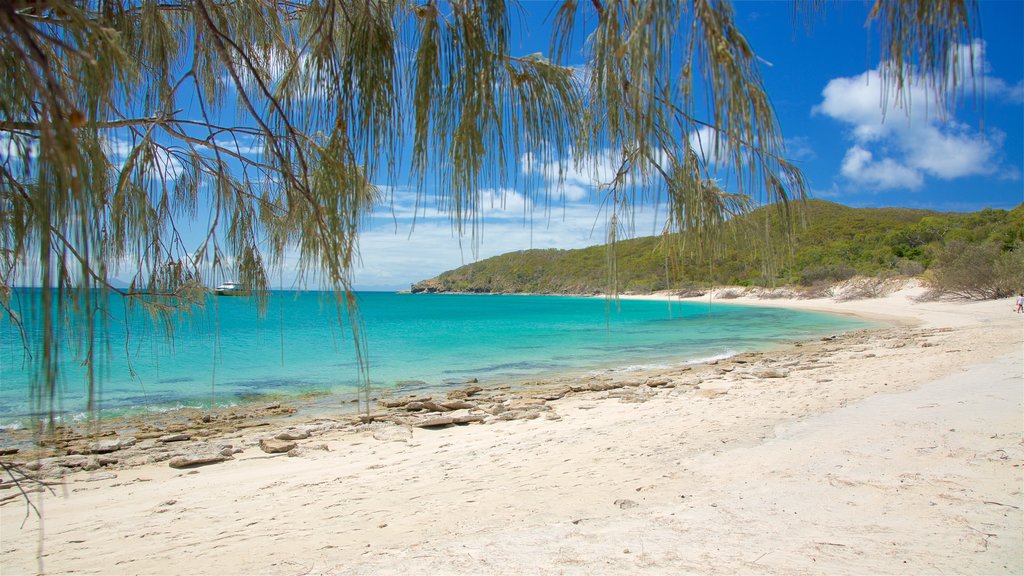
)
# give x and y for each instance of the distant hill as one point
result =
(829, 242)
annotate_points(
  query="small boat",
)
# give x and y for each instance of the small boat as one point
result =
(230, 289)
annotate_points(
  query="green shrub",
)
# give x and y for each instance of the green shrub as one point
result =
(826, 273)
(977, 271)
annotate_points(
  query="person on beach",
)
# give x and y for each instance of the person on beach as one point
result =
(1020, 303)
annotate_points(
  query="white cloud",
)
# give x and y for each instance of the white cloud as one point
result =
(976, 71)
(705, 142)
(397, 251)
(899, 142)
(572, 182)
(243, 145)
(799, 148)
(860, 167)
(504, 203)
(953, 152)
(164, 164)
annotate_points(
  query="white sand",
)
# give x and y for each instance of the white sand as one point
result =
(899, 451)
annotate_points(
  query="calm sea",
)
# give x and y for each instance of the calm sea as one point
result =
(226, 353)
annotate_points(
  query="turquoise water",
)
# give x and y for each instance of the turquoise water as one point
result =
(225, 354)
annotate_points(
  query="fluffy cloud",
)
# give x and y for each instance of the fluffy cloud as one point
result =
(572, 182)
(409, 240)
(860, 166)
(163, 163)
(705, 142)
(897, 143)
(971, 57)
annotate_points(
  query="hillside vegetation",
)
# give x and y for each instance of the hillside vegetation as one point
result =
(829, 243)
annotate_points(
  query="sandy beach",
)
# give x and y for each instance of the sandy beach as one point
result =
(897, 450)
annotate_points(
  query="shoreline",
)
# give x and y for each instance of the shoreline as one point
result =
(740, 465)
(308, 407)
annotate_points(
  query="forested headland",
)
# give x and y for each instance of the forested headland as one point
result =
(976, 255)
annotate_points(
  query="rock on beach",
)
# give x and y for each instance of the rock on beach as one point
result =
(275, 446)
(195, 460)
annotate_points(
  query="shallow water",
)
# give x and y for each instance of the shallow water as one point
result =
(226, 353)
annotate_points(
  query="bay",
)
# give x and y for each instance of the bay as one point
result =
(227, 353)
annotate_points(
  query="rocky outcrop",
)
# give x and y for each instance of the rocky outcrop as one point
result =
(431, 286)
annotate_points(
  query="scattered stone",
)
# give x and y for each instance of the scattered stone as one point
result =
(106, 446)
(195, 460)
(526, 404)
(602, 386)
(174, 438)
(518, 415)
(428, 405)
(293, 435)
(465, 417)
(464, 392)
(274, 446)
(432, 422)
(555, 394)
(76, 461)
(458, 405)
(399, 402)
(374, 417)
(494, 409)
(8, 451)
(626, 504)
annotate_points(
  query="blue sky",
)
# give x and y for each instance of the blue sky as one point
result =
(825, 89)
(826, 93)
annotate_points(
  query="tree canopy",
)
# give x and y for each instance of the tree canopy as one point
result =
(271, 124)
